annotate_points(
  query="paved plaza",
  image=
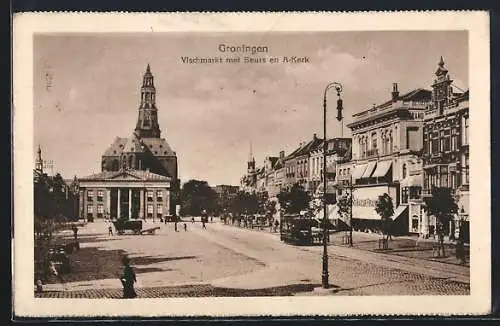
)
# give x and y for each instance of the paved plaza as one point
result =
(224, 260)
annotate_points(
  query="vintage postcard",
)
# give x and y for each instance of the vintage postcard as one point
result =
(252, 164)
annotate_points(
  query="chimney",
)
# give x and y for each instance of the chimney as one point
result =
(315, 136)
(395, 92)
(282, 155)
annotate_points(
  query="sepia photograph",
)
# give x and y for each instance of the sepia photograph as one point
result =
(308, 164)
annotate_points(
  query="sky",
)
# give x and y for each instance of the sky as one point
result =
(87, 87)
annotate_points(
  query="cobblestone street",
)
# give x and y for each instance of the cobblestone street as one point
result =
(228, 261)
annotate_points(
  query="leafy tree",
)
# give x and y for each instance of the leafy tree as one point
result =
(294, 200)
(245, 203)
(385, 209)
(344, 205)
(196, 196)
(442, 205)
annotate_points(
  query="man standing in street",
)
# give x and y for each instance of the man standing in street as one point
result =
(185, 227)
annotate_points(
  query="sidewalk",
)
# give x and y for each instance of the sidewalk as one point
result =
(406, 246)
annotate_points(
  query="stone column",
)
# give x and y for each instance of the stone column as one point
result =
(141, 207)
(81, 205)
(129, 203)
(118, 208)
(108, 203)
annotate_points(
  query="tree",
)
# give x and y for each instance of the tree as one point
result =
(441, 205)
(294, 200)
(344, 205)
(385, 209)
(245, 203)
(197, 196)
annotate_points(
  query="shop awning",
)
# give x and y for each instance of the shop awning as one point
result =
(382, 169)
(413, 181)
(399, 212)
(358, 172)
(369, 170)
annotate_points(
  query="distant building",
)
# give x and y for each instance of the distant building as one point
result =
(139, 173)
(54, 197)
(446, 148)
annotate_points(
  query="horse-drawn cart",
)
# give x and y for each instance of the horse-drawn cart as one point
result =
(123, 225)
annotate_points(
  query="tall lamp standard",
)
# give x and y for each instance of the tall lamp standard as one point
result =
(338, 88)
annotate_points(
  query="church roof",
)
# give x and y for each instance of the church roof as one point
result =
(139, 175)
(157, 146)
(116, 148)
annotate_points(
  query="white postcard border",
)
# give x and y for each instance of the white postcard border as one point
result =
(27, 24)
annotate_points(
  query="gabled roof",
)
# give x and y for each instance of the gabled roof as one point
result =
(310, 146)
(139, 175)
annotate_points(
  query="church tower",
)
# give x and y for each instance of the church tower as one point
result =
(441, 89)
(147, 122)
(251, 162)
(39, 161)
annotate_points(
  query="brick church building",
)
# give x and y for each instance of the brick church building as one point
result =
(139, 172)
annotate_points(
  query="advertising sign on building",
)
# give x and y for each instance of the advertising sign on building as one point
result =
(364, 199)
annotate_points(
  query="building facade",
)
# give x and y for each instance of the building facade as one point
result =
(385, 140)
(446, 147)
(139, 173)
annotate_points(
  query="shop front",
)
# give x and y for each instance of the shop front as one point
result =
(366, 219)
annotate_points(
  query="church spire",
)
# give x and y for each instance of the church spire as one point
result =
(251, 160)
(147, 122)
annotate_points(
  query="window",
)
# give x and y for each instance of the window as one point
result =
(435, 143)
(446, 141)
(444, 176)
(150, 195)
(90, 210)
(466, 130)
(404, 195)
(454, 142)
(466, 159)
(90, 195)
(150, 210)
(415, 192)
(159, 195)
(374, 140)
(159, 210)
(100, 210)
(100, 195)
(404, 170)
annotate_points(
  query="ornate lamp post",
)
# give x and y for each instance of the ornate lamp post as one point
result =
(338, 88)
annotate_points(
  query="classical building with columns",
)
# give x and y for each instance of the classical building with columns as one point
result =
(139, 172)
(128, 194)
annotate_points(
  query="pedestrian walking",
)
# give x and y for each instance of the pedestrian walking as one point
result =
(75, 232)
(175, 226)
(192, 219)
(203, 224)
(185, 227)
(110, 230)
(128, 279)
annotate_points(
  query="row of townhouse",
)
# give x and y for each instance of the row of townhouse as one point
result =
(303, 166)
(403, 147)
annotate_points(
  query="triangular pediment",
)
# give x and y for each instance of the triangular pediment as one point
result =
(125, 175)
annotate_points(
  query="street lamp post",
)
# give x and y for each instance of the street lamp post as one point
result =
(338, 88)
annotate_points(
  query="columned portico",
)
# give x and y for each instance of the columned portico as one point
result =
(130, 194)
